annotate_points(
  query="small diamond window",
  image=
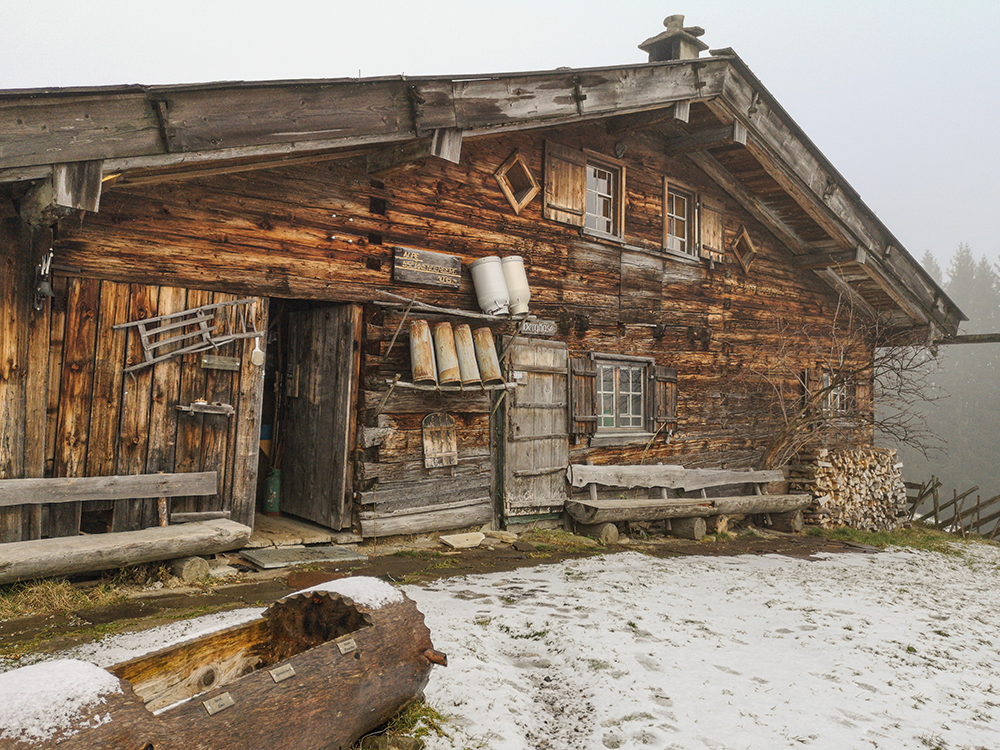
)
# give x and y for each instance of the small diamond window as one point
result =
(519, 186)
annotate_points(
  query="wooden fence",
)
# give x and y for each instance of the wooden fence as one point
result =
(959, 514)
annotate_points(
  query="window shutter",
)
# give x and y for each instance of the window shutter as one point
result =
(663, 404)
(864, 400)
(565, 184)
(582, 396)
(711, 222)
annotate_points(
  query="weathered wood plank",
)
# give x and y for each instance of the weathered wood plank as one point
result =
(654, 508)
(109, 358)
(133, 447)
(78, 489)
(241, 495)
(76, 392)
(431, 520)
(41, 558)
(670, 476)
(15, 275)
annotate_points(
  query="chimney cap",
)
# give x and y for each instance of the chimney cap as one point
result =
(678, 42)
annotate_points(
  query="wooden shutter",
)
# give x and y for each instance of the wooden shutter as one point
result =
(711, 222)
(663, 401)
(565, 184)
(582, 396)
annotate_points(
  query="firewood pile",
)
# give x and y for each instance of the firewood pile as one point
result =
(861, 488)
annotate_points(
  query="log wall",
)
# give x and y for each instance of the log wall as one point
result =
(325, 231)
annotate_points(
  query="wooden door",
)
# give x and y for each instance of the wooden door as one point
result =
(535, 440)
(319, 422)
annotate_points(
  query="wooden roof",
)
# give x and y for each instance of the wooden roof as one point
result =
(712, 109)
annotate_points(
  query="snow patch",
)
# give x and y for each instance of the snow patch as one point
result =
(362, 590)
(61, 696)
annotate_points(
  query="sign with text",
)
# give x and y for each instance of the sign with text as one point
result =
(411, 266)
(539, 327)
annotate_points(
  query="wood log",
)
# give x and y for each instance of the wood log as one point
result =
(317, 671)
(688, 528)
(190, 569)
(791, 522)
(743, 505)
(41, 558)
(607, 533)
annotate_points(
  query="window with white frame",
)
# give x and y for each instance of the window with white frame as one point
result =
(678, 220)
(838, 397)
(621, 395)
(602, 199)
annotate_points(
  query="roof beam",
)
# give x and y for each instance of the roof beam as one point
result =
(784, 233)
(827, 260)
(445, 143)
(624, 123)
(703, 140)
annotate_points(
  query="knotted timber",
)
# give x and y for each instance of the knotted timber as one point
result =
(318, 670)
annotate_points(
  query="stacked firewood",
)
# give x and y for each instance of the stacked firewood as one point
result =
(861, 488)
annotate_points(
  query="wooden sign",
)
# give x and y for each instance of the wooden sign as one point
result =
(539, 328)
(216, 362)
(411, 266)
(440, 441)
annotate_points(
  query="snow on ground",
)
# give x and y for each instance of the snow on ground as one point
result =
(892, 650)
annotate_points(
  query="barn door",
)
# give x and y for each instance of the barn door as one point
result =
(535, 439)
(321, 391)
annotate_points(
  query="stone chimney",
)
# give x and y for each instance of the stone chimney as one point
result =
(678, 42)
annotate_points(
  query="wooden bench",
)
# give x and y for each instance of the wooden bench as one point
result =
(200, 534)
(663, 506)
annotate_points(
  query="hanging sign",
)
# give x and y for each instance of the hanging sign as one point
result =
(411, 266)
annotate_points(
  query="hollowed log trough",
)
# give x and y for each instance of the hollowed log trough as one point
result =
(318, 670)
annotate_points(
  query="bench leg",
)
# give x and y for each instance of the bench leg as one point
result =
(688, 528)
(791, 522)
(607, 533)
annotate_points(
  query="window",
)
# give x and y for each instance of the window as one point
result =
(602, 200)
(838, 397)
(621, 397)
(584, 189)
(678, 222)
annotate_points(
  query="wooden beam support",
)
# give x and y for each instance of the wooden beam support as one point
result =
(703, 140)
(640, 120)
(71, 187)
(969, 338)
(443, 144)
(765, 215)
(827, 260)
(831, 277)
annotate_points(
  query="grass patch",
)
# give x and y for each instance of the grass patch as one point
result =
(52, 596)
(417, 554)
(417, 719)
(552, 540)
(917, 536)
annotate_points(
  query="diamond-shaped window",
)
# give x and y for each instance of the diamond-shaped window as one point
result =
(744, 250)
(516, 181)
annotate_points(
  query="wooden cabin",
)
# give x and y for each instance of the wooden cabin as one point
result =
(224, 277)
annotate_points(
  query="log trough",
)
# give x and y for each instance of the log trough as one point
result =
(319, 669)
